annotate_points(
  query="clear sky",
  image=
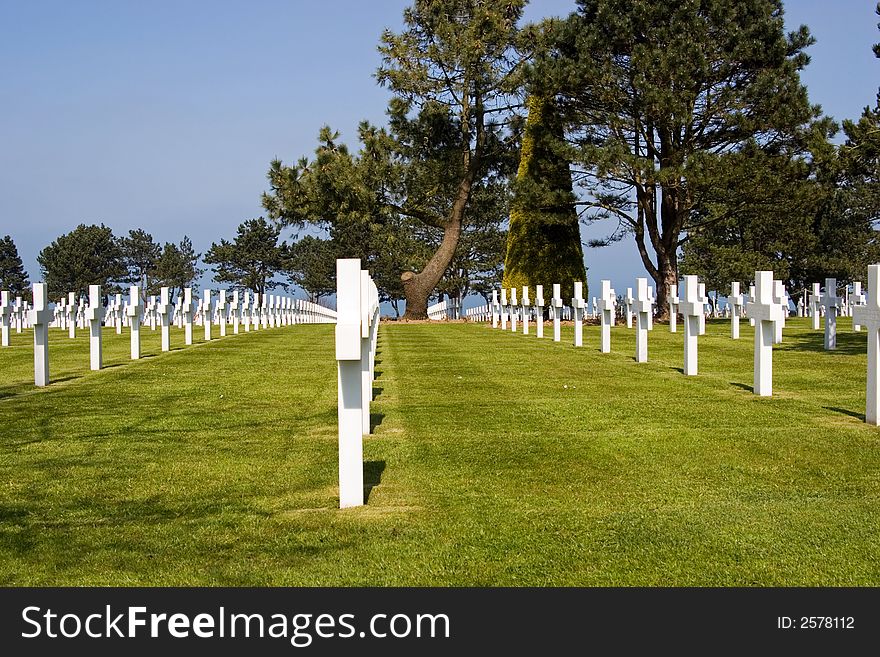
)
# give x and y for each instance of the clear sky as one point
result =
(165, 115)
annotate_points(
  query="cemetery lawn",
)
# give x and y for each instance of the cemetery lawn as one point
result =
(497, 459)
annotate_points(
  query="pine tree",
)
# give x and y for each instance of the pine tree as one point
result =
(139, 255)
(87, 255)
(252, 259)
(543, 241)
(13, 277)
(177, 266)
(655, 92)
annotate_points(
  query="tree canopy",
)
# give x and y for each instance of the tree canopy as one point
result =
(252, 259)
(13, 276)
(87, 255)
(454, 70)
(655, 94)
(139, 256)
(177, 266)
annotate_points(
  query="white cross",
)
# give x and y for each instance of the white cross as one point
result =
(494, 308)
(163, 310)
(221, 312)
(503, 309)
(5, 314)
(206, 313)
(857, 299)
(868, 315)
(831, 302)
(556, 308)
(18, 314)
(350, 382)
(629, 301)
(643, 319)
(189, 310)
(235, 310)
(577, 307)
(735, 301)
(780, 297)
(765, 311)
(117, 313)
(815, 301)
(606, 316)
(672, 301)
(539, 310)
(513, 306)
(134, 314)
(39, 317)
(524, 302)
(71, 314)
(246, 311)
(95, 315)
(691, 308)
(255, 312)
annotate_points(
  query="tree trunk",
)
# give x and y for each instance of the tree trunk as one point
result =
(418, 287)
(665, 282)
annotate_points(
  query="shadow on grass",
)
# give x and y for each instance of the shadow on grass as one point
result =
(851, 344)
(744, 386)
(372, 477)
(845, 411)
(377, 392)
(376, 420)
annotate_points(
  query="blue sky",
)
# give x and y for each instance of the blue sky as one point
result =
(165, 115)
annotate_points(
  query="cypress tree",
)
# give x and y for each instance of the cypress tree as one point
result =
(543, 241)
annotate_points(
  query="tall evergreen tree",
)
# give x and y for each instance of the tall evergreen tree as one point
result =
(311, 264)
(860, 161)
(252, 259)
(177, 266)
(654, 92)
(544, 238)
(139, 255)
(87, 255)
(13, 276)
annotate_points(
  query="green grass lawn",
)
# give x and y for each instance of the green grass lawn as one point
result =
(497, 459)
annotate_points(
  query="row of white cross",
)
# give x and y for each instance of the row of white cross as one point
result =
(275, 310)
(283, 312)
(12, 315)
(446, 309)
(357, 328)
(508, 308)
(766, 307)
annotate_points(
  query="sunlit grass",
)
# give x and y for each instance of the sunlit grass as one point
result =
(497, 459)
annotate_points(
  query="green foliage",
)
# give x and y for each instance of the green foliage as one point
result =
(860, 166)
(139, 256)
(177, 266)
(311, 264)
(13, 276)
(408, 193)
(805, 217)
(87, 255)
(544, 240)
(252, 259)
(656, 92)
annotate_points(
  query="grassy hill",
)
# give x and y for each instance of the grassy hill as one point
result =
(497, 459)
